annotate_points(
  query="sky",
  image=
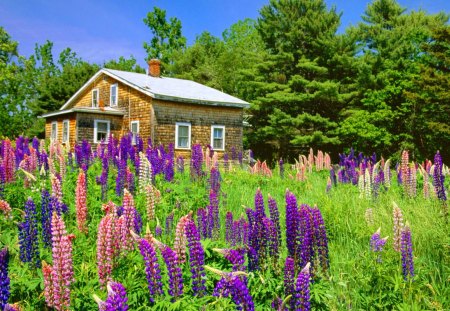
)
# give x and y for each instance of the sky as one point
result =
(100, 30)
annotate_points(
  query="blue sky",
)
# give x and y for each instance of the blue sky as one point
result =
(101, 30)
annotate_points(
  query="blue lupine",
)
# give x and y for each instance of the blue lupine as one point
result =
(202, 221)
(121, 177)
(320, 238)
(275, 216)
(302, 292)
(407, 255)
(152, 271)
(289, 280)
(174, 271)
(292, 223)
(46, 218)
(196, 162)
(28, 236)
(196, 258)
(4, 279)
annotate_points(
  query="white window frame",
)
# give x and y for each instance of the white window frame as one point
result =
(222, 127)
(54, 134)
(116, 95)
(108, 131)
(131, 130)
(95, 99)
(177, 125)
(64, 124)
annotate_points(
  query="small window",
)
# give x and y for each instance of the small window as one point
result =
(101, 131)
(113, 95)
(54, 131)
(95, 98)
(218, 137)
(134, 127)
(65, 133)
(183, 135)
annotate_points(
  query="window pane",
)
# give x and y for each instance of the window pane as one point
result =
(218, 133)
(218, 143)
(101, 136)
(102, 127)
(183, 142)
(134, 127)
(183, 131)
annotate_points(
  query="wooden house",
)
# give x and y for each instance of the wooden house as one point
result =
(167, 110)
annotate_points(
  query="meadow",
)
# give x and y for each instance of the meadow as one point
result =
(117, 227)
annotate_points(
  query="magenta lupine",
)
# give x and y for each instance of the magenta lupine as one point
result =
(302, 293)
(28, 236)
(117, 298)
(106, 247)
(196, 258)
(152, 270)
(81, 202)
(56, 187)
(289, 280)
(174, 271)
(4, 279)
(407, 253)
(61, 273)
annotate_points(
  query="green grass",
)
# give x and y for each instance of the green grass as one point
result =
(355, 281)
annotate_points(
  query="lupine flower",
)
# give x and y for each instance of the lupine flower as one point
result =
(128, 222)
(439, 178)
(152, 271)
(320, 238)
(228, 226)
(398, 225)
(145, 172)
(289, 280)
(46, 220)
(214, 180)
(180, 164)
(240, 158)
(57, 279)
(377, 243)
(196, 258)
(407, 253)
(169, 164)
(28, 236)
(292, 223)
(272, 238)
(213, 215)
(274, 216)
(56, 188)
(180, 242)
(121, 176)
(129, 184)
(302, 295)
(4, 279)
(196, 161)
(281, 165)
(202, 223)
(8, 160)
(106, 247)
(2, 179)
(253, 259)
(152, 197)
(5, 208)
(305, 239)
(80, 202)
(174, 271)
(117, 298)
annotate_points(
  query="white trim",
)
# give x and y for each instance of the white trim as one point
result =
(96, 128)
(106, 110)
(67, 121)
(54, 137)
(222, 127)
(97, 99)
(116, 95)
(131, 130)
(177, 125)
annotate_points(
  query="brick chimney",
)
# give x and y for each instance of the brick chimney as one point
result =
(154, 67)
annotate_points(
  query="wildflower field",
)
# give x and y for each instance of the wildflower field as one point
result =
(131, 227)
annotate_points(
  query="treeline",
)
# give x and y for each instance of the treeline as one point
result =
(383, 85)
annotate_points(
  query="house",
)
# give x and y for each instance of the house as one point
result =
(167, 110)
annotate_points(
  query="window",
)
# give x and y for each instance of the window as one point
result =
(101, 131)
(134, 127)
(54, 131)
(95, 98)
(183, 135)
(65, 133)
(218, 137)
(113, 95)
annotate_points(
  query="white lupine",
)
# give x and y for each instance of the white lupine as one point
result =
(367, 184)
(387, 173)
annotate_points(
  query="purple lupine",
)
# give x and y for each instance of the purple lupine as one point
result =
(152, 270)
(234, 155)
(196, 258)
(320, 238)
(196, 162)
(130, 180)
(4, 279)
(169, 223)
(407, 255)
(158, 230)
(202, 222)
(174, 271)
(214, 180)
(137, 221)
(102, 180)
(226, 165)
(44, 160)
(121, 177)
(19, 152)
(275, 217)
(289, 280)
(222, 288)
(438, 178)
(236, 258)
(292, 223)
(2, 179)
(281, 165)
(240, 158)
(46, 218)
(253, 259)
(241, 296)
(117, 298)
(333, 177)
(213, 215)
(302, 294)
(28, 236)
(228, 226)
(272, 238)
(168, 163)
(305, 239)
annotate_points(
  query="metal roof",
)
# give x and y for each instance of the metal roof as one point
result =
(168, 89)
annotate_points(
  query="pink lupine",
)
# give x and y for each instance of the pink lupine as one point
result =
(56, 187)
(62, 166)
(106, 248)
(180, 239)
(80, 202)
(33, 159)
(5, 208)
(426, 184)
(327, 161)
(59, 279)
(127, 223)
(398, 226)
(9, 159)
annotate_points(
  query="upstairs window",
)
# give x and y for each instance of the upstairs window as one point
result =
(101, 131)
(65, 132)
(95, 98)
(183, 135)
(134, 127)
(218, 137)
(54, 131)
(114, 91)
